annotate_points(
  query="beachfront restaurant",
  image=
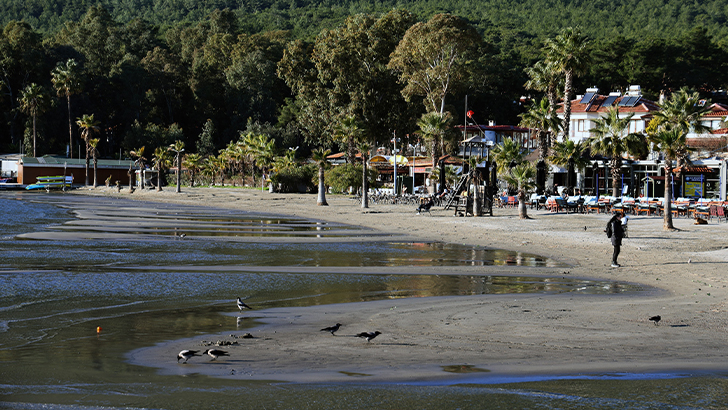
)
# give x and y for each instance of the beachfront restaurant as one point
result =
(705, 178)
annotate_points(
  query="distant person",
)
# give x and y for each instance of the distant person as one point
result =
(615, 232)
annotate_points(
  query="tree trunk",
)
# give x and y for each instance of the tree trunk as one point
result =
(667, 204)
(159, 179)
(87, 163)
(70, 128)
(179, 171)
(568, 79)
(522, 210)
(365, 185)
(321, 200)
(96, 163)
(34, 136)
(616, 165)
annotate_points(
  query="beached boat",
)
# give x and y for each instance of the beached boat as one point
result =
(52, 182)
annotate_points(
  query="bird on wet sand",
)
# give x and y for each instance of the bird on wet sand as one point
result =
(187, 354)
(215, 353)
(332, 329)
(656, 319)
(242, 305)
(369, 335)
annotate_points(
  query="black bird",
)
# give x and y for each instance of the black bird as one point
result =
(332, 329)
(242, 305)
(187, 354)
(215, 353)
(369, 335)
(656, 319)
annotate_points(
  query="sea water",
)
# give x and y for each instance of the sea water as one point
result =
(156, 287)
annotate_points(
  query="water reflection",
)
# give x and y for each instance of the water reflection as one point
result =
(54, 293)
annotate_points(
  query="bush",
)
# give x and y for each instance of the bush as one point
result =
(341, 177)
(296, 179)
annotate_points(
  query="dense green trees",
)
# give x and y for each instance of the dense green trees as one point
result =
(291, 74)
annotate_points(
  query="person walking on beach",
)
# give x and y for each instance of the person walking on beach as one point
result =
(617, 233)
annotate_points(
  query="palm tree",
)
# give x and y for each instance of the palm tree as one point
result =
(178, 147)
(67, 81)
(543, 77)
(609, 139)
(434, 128)
(33, 101)
(569, 154)
(348, 131)
(161, 163)
(541, 118)
(319, 156)
(568, 53)
(141, 162)
(92, 145)
(193, 163)
(672, 144)
(88, 126)
(521, 176)
(264, 153)
(507, 155)
(682, 111)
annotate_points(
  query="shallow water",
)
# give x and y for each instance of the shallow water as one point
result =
(54, 294)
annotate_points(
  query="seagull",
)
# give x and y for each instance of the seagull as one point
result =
(187, 354)
(332, 329)
(215, 353)
(242, 305)
(369, 335)
(656, 319)
(182, 236)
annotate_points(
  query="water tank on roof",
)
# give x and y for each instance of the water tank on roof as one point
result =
(490, 136)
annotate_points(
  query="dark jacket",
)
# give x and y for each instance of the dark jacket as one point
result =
(617, 231)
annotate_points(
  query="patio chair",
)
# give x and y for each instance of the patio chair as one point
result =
(702, 212)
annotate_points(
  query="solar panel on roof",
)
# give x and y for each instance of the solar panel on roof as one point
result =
(609, 101)
(625, 101)
(587, 98)
(635, 100)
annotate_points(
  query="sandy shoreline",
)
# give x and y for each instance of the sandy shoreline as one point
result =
(503, 334)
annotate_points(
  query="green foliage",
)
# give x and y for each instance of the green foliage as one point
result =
(206, 139)
(341, 177)
(296, 179)
(302, 65)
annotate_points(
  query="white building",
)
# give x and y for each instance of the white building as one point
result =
(591, 106)
(710, 169)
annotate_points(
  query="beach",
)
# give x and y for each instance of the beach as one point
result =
(489, 336)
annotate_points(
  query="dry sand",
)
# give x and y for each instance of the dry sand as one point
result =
(501, 335)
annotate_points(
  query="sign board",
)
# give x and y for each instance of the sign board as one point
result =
(693, 188)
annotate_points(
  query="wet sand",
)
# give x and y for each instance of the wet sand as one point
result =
(488, 336)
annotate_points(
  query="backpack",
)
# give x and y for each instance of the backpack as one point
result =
(609, 229)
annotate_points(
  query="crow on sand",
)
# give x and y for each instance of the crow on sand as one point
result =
(369, 335)
(332, 329)
(215, 353)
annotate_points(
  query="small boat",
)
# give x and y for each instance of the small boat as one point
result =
(53, 182)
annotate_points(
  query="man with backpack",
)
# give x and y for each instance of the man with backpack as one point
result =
(616, 233)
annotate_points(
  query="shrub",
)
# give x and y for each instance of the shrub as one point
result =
(296, 179)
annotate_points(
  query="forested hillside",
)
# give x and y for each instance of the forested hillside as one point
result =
(599, 19)
(203, 72)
